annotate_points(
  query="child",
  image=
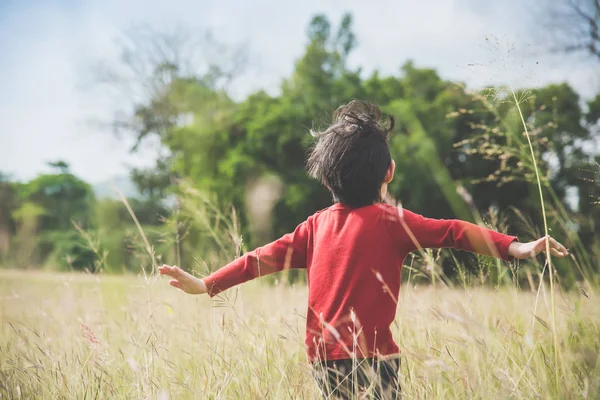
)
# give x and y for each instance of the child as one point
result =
(353, 253)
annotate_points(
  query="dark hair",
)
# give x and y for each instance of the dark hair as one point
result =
(352, 156)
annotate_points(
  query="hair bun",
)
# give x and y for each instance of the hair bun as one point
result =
(355, 116)
(361, 113)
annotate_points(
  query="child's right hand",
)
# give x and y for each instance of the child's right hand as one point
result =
(532, 249)
(182, 280)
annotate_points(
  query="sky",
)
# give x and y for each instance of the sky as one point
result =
(49, 107)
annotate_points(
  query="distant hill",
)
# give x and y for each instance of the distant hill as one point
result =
(105, 190)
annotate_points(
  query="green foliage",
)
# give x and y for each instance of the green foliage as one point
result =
(593, 114)
(54, 220)
(67, 251)
(116, 240)
(445, 136)
(62, 196)
(458, 154)
(39, 214)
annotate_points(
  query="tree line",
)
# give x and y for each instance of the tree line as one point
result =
(459, 153)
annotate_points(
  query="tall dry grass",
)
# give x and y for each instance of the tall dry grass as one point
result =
(82, 336)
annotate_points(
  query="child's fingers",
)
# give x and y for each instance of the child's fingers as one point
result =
(164, 269)
(166, 272)
(173, 271)
(556, 248)
(176, 283)
(557, 253)
(554, 243)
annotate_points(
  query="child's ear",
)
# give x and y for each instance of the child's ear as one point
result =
(389, 175)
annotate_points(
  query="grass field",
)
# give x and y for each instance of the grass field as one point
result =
(124, 337)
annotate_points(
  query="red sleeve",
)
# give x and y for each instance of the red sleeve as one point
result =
(437, 233)
(287, 252)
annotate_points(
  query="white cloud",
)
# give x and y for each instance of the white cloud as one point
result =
(43, 109)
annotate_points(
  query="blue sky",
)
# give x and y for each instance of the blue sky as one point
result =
(49, 47)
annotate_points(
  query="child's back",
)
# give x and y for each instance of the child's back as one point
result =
(354, 261)
(353, 258)
(353, 252)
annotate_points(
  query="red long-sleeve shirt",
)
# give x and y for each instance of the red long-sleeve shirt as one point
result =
(353, 259)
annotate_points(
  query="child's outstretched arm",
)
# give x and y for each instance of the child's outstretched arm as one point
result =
(461, 235)
(287, 252)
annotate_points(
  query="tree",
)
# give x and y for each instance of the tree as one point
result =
(446, 138)
(64, 197)
(60, 165)
(50, 204)
(150, 64)
(574, 26)
(9, 201)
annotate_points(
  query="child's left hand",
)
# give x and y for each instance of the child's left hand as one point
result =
(183, 280)
(532, 249)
